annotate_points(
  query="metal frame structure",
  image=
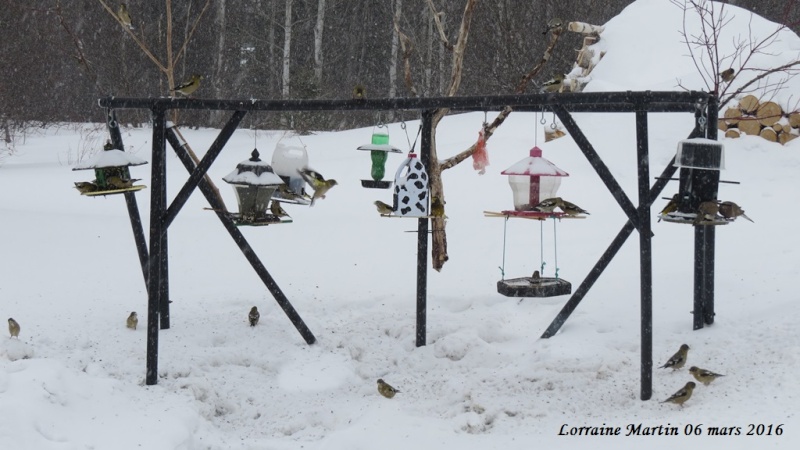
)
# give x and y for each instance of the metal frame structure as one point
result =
(154, 261)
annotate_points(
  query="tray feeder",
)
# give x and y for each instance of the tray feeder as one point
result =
(255, 182)
(287, 160)
(112, 175)
(379, 150)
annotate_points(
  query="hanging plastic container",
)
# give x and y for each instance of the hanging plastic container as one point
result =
(411, 188)
(379, 150)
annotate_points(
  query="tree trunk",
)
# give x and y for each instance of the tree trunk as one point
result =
(318, 28)
(287, 50)
(219, 62)
(398, 10)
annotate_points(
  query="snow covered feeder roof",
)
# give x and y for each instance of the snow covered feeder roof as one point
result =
(535, 165)
(380, 142)
(253, 172)
(110, 158)
(700, 153)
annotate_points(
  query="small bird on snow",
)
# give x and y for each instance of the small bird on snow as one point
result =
(678, 359)
(317, 182)
(188, 87)
(133, 321)
(253, 316)
(383, 208)
(123, 15)
(730, 210)
(680, 397)
(13, 328)
(385, 389)
(704, 376)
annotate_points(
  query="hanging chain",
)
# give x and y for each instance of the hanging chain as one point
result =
(541, 248)
(555, 245)
(503, 267)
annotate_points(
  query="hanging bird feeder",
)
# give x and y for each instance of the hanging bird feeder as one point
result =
(112, 175)
(411, 189)
(255, 182)
(379, 150)
(287, 161)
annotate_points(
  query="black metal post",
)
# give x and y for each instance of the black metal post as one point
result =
(710, 235)
(422, 236)
(157, 203)
(645, 255)
(163, 267)
(178, 145)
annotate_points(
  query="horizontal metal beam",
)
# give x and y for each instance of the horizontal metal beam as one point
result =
(574, 101)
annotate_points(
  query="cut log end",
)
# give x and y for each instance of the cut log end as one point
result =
(749, 104)
(769, 113)
(769, 134)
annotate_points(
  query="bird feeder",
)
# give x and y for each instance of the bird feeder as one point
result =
(287, 160)
(379, 150)
(700, 161)
(532, 180)
(411, 188)
(112, 175)
(255, 182)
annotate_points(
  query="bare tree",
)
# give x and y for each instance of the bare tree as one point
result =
(318, 29)
(287, 50)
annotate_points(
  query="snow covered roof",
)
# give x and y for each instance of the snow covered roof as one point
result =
(535, 165)
(253, 172)
(110, 158)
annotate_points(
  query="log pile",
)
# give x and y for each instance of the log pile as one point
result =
(756, 118)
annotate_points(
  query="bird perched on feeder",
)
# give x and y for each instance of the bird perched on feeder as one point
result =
(704, 376)
(680, 397)
(359, 92)
(385, 389)
(553, 24)
(383, 208)
(730, 210)
(437, 207)
(85, 187)
(672, 206)
(707, 211)
(571, 209)
(727, 75)
(317, 182)
(133, 320)
(253, 316)
(547, 205)
(13, 328)
(277, 210)
(553, 85)
(188, 87)
(116, 182)
(124, 17)
(678, 359)
(535, 276)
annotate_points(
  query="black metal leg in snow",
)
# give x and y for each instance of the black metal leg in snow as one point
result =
(645, 256)
(422, 238)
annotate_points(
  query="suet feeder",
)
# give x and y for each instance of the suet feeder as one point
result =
(255, 182)
(411, 188)
(287, 160)
(112, 175)
(700, 161)
(379, 150)
(532, 180)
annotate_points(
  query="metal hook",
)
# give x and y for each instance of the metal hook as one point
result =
(553, 125)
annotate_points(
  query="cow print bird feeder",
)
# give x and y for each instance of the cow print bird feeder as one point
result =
(411, 188)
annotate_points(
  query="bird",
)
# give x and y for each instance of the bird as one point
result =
(535, 276)
(317, 182)
(553, 84)
(385, 389)
(359, 92)
(253, 316)
(704, 376)
(678, 359)
(571, 209)
(276, 209)
(116, 182)
(85, 187)
(188, 87)
(552, 24)
(683, 394)
(547, 205)
(672, 206)
(730, 210)
(707, 211)
(133, 320)
(727, 75)
(124, 17)
(383, 208)
(13, 328)
(437, 207)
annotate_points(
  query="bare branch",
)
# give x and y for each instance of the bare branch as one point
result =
(407, 48)
(439, 26)
(766, 73)
(191, 32)
(538, 67)
(141, 44)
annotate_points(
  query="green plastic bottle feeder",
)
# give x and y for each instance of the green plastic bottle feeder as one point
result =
(379, 150)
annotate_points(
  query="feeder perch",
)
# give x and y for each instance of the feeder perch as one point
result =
(255, 183)
(379, 150)
(411, 188)
(700, 161)
(287, 160)
(532, 180)
(112, 175)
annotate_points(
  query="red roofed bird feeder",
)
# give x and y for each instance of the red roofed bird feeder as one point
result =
(532, 180)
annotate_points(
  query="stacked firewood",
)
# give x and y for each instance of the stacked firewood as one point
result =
(755, 118)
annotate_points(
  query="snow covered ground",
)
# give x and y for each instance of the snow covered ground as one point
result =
(70, 275)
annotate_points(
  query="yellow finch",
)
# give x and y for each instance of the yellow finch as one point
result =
(672, 206)
(85, 186)
(437, 207)
(730, 210)
(276, 209)
(359, 92)
(727, 75)
(547, 205)
(553, 85)
(123, 15)
(13, 328)
(253, 316)
(571, 209)
(383, 208)
(119, 183)
(680, 397)
(317, 182)
(386, 390)
(133, 321)
(704, 376)
(678, 359)
(553, 24)
(188, 87)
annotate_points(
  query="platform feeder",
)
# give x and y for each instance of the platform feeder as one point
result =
(700, 161)
(112, 175)
(379, 150)
(255, 182)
